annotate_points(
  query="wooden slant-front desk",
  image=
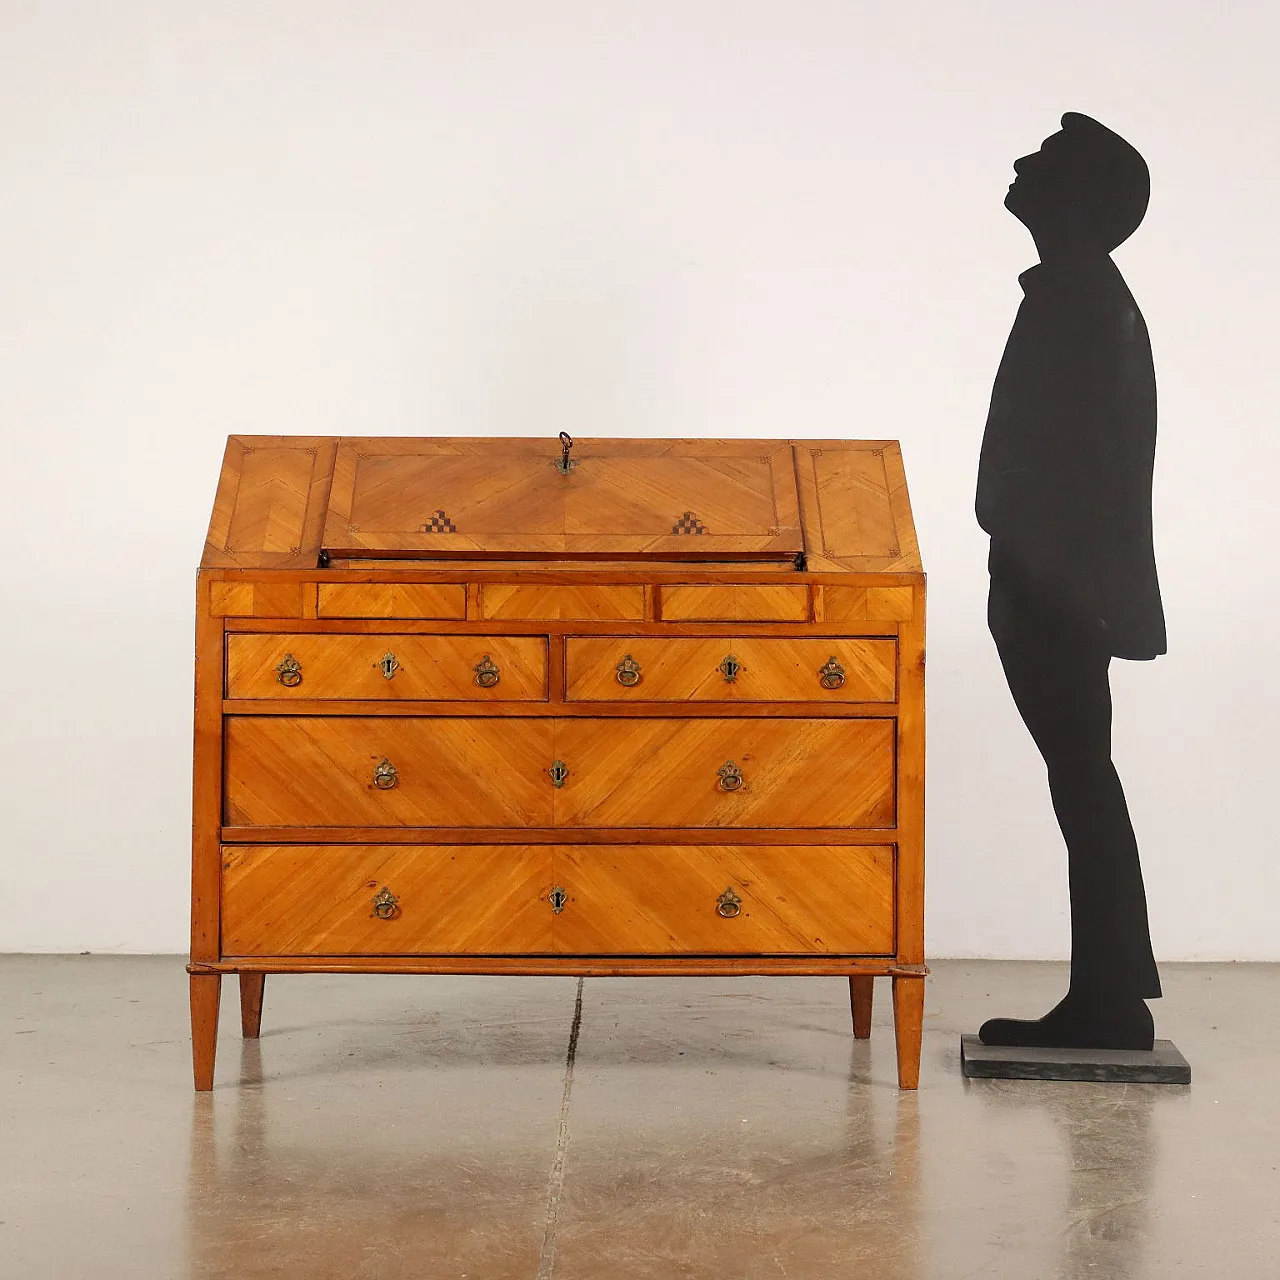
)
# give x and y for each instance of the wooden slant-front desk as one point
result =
(484, 706)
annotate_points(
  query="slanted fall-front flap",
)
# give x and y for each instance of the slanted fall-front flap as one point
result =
(595, 498)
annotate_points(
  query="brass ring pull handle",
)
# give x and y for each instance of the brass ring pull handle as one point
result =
(388, 665)
(831, 674)
(487, 673)
(385, 776)
(559, 771)
(629, 672)
(289, 672)
(729, 668)
(386, 904)
(728, 904)
(730, 776)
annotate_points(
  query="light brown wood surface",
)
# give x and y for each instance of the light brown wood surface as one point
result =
(314, 900)
(665, 899)
(679, 554)
(796, 773)
(767, 670)
(503, 601)
(391, 600)
(734, 602)
(320, 771)
(352, 667)
(626, 899)
(506, 496)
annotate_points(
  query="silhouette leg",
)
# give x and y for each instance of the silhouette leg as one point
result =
(1058, 675)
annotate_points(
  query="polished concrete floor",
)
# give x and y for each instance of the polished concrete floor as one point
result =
(442, 1127)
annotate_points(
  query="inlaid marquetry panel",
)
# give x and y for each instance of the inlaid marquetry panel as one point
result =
(323, 771)
(387, 667)
(857, 513)
(643, 772)
(740, 669)
(391, 600)
(746, 602)
(270, 504)
(655, 899)
(509, 602)
(320, 900)
(697, 498)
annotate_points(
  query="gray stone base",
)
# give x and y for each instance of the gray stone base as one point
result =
(1162, 1064)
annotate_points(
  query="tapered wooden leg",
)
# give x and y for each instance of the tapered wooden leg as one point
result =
(206, 993)
(251, 985)
(908, 1028)
(861, 994)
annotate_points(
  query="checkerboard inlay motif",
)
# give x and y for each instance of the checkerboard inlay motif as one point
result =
(439, 523)
(689, 523)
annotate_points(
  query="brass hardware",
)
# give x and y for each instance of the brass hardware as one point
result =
(385, 776)
(730, 776)
(289, 672)
(831, 674)
(487, 673)
(557, 897)
(729, 668)
(559, 771)
(562, 464)
(629, 671)
(728, 904)
(388, 665)
(386, 904)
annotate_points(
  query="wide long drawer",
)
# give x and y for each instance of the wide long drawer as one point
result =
(513, 771)
(387, 667)
(737, 669)
(563, 899)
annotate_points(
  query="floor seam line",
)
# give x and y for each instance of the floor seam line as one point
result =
(555, 1183)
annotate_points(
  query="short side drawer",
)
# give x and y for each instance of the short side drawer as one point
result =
(733, 669)
(387, 667)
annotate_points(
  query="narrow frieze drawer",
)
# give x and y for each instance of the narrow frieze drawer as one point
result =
(730, 602)
(391, 600)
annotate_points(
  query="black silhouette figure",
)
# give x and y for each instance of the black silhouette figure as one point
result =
(1064, 490)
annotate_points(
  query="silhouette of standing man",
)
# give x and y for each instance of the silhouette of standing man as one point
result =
(1064, 490)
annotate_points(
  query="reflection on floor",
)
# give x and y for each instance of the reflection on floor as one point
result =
(429, 1128)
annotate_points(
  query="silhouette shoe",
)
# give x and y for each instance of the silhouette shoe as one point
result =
(1077, 1023)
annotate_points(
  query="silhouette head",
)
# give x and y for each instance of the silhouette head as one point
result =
(1085, 189)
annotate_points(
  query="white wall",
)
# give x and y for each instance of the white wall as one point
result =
(660, 217)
